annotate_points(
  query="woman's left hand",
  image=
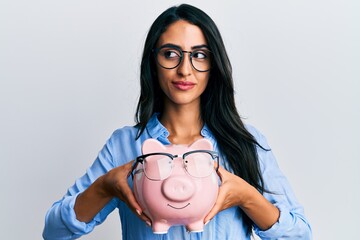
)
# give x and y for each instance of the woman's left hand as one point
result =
(235, 191)
(232, 192)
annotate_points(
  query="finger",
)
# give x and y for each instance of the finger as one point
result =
(127, 196)
(134, 205)
(216, 208)
(129, 167)
(146, 219)
(131, 202)
(220, 173)
(212, 213)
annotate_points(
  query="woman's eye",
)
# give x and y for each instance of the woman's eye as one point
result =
(199, 55)
(171, 54)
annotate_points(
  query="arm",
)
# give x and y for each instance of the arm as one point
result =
(89, 201)
(292, 223)
(234, 191)
(112, 184)
(276, 215)
(61, 221)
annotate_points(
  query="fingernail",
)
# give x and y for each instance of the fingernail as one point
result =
(207, 222)
(148, 223)
(138, 212)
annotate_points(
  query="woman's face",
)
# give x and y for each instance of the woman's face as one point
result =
(183, 84)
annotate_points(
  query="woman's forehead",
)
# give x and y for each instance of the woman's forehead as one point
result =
(183, 34)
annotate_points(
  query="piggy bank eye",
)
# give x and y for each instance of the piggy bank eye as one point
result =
(158, 167)
(199, 164)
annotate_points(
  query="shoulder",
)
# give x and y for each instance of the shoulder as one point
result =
(123, 144)
(122, 138)
(266, 157)
(259, 137)
(124, 132)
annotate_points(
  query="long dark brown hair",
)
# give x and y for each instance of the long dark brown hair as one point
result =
(218, 108)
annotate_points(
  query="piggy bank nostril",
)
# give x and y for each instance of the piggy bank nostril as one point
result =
(178, 189)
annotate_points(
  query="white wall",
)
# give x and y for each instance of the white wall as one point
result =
(69, 77)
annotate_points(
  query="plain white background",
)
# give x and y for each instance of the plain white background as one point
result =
(69, 77)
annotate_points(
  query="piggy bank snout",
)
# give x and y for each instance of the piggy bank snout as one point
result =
(178, 188)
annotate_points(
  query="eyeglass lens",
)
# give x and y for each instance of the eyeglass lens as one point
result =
(159, 167)
(170, 57)
(199, 164)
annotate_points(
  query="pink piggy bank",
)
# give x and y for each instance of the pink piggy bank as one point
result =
(176, 184)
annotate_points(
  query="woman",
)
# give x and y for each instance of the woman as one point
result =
(186, 93)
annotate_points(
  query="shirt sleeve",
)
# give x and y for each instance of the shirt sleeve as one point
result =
(60, 220)
(292, 223)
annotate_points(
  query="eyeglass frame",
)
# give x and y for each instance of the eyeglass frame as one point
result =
(140, 159)
(156, 51)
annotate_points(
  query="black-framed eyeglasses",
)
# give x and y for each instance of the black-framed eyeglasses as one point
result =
(158, 166)
(170, 57)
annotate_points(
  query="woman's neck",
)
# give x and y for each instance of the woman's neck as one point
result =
(184, 124)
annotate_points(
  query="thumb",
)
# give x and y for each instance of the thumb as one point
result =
(130, 200)
(216, 208)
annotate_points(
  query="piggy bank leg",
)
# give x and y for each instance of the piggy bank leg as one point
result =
(195, 226)
(160, 227)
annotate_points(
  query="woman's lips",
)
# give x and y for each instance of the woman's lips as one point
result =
(181, 85)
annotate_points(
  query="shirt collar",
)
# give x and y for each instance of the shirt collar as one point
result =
(158, 131)
(205, 132)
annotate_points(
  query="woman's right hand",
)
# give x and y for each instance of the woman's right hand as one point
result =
(112, 184)
(116, 185)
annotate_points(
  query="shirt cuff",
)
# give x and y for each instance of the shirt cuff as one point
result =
(68, 217)
(281, 226)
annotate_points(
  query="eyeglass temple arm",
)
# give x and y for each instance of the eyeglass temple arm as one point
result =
(140, 159)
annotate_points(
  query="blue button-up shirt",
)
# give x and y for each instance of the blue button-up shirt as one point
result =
(61, 222)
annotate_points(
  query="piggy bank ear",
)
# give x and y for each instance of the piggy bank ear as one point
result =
(151, 146)
(201, 144)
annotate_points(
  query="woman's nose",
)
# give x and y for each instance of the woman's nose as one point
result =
(185, 68)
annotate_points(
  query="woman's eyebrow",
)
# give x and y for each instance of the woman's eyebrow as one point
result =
(171, 45)
(200, 46)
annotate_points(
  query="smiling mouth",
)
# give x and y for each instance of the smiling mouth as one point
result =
(181, 85)
(179, 207)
